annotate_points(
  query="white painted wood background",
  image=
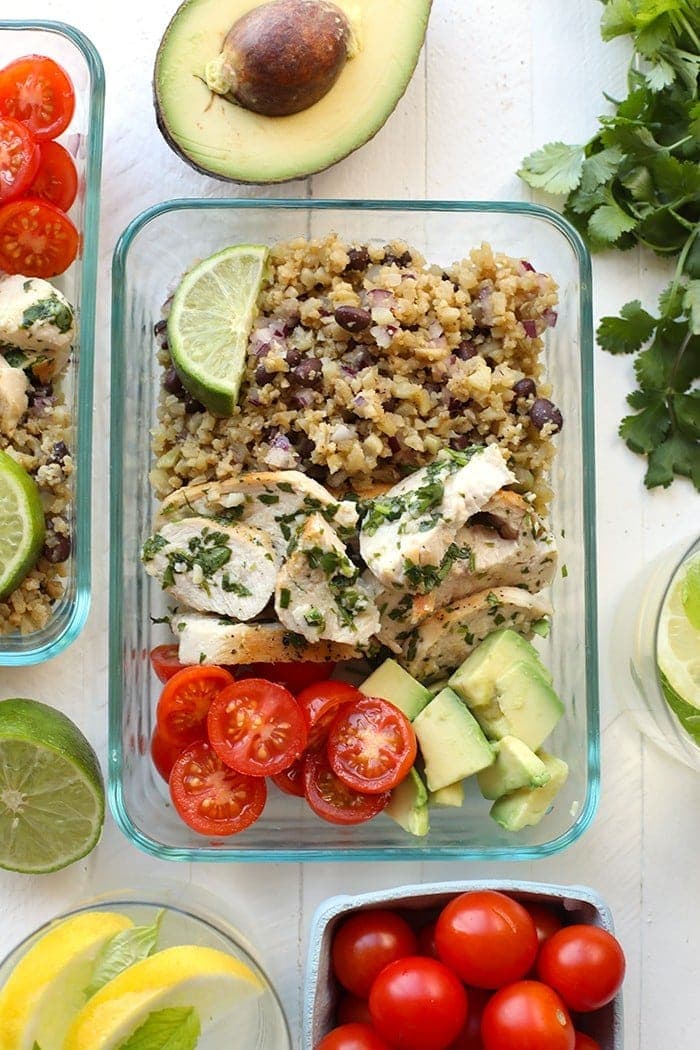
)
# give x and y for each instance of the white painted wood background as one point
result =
(497, 78)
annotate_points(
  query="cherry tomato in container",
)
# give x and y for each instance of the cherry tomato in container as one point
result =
(36, 91)
(293, 676)
(56, 181)
(371, 745)
(585, 964)
(334, 801)
(353, 1037)
(426, 940)
(19, 159)
(211, 798)
(320, 703)
(36, 239)
(291, 779)
(418, 1004)
(470, 1036)
(353, 1010)
(164, 662)
(488, 939)
(164, 754)
(584, 1042)
(181, 714)
(546, 921)
(365, 943)
(257, 727)
(526, 1015)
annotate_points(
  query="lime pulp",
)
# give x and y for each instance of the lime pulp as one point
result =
(678, 646)
(22, 527)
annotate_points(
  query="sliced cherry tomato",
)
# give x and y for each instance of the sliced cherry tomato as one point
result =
(36, 239)
(418, 1004)
(164, 754)
(546, 921)
(164, 662)
(365, 943)
(257, 727)
(56, 181)
(353, 1010)
(211, 798)
(470, 1036)
(19, 159)
(526, 1015)
(320, 703)
(181, 714)
(584, 964)
(293, 676)
(37, 91)
(371, 745)
(487, 938)
(334, 801)
(584, 1042)
(291, 779)
(353, 1037)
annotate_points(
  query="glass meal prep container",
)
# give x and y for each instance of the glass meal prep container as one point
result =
(149, 259)
(83, 140)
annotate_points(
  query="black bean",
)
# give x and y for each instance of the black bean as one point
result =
(292, 357)
(39, 392)
(305, 448)
(353, 318)
(262, 376)
(455, 407)
(59, 452)
(405, 259)
(309, 372)
(57, 548)
(358, 258)
(544, 412)
(192, 406)
(173, 384)
(393, 443)
(159, 327)
(466, 350)
(460, 442)
(524, 388)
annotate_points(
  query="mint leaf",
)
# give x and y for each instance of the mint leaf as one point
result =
(629, 331)
(123, 950)
(691, 305)
(609, 222)
(555, 168)
(172, 1029)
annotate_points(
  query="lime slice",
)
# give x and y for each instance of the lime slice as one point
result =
(21, 524)
(52, 799)
(690, 593)
(678, 644)
(205, 979)
(210, 322)
(46, 989)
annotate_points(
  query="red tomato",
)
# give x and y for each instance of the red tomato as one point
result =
(36, 239)
(353, 1037)
(164, 754)
(371, 745)
(526, 1015)
(320, 703)
(585, 964)
(426, 940)
(487, 938)
(19, 159)
(365, 943)
(418, 1004)
(164, 662)
(470, 1036)
(37, 92)
(181, 714)
(546, 921)
(584, 1042)
(334, 801)
(293, 676)
(353, 1010)
(56, 181)
(291, 779)
(256, 727)
(211, 798)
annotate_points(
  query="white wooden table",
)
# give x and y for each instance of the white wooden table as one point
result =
(497, 78)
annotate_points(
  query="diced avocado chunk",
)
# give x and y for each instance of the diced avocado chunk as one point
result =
(451, 742)
(437, 687)
(516, 766)
(523, 705)
(476, 678)
(526, 806)
(408, 805)
(390, 682)
(450, 795)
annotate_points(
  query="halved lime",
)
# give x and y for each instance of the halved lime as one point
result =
(22, 526)
(210, 321)
(678, 642)
(52, 800)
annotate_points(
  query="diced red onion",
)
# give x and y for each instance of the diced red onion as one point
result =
(281, 441)
(530, 329)
(380, 297)
(550, 317)
(527, 266)
(359, 401)
(342, 433)
(304, 398)
(382, 335)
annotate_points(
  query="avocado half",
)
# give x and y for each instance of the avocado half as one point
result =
(220, 138)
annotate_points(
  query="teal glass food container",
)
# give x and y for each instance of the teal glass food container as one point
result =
(83, 139)
(149, 259)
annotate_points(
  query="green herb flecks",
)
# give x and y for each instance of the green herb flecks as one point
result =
(234, 587)
(285, 597)
(315, 618)
(151, 547)
(425, 578)
(50, 311)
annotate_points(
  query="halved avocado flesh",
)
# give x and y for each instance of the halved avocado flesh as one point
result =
(223, 139)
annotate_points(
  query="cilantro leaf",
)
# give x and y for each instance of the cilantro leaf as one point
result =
(677, 455)
(629, 331)
(556, 168)
(618, 19)
(691, 304)
(646, 430)
(609, 222)
(177, 1028)
(686, 409)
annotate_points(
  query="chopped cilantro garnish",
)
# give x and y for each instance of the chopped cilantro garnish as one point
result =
(285, 597)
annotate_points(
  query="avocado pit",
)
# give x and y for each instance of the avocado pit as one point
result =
(282, 57)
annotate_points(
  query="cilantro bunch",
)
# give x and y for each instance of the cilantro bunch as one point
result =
(637, 181)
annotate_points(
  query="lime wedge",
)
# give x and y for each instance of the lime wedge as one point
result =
(210, 321)
(678, 644)
(21, 524)
(51, 790)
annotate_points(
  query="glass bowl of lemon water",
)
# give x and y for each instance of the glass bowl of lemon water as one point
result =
(94, 977)
(656, 652)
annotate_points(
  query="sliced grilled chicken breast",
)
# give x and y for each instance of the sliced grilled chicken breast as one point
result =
(208, 639)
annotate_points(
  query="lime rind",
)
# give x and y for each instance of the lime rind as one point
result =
(690, 591)
(22, 525)
(678, 644)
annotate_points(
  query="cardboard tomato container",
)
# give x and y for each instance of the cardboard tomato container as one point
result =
(576, 904)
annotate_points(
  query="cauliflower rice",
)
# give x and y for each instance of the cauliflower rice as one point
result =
(426, 358)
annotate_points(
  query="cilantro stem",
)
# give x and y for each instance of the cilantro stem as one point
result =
(680, 266)
(689, 29)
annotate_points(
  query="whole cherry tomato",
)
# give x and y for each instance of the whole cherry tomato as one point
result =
(353, 1037)
(585, 964)
(526, 1015)
(488, 939)
(546, 921)
(418, 1004)
(353, 1010)
(584, 1042)
(470, 1036)
(365, 943)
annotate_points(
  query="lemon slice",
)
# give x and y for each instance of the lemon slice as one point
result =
(678, 639)
(210, 321)
(208, 980)
(22, 526)
(46, 988)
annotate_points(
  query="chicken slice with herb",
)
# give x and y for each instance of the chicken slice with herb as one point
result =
(319, 592)
(37, 323)
(13, 397)
(210, 567)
